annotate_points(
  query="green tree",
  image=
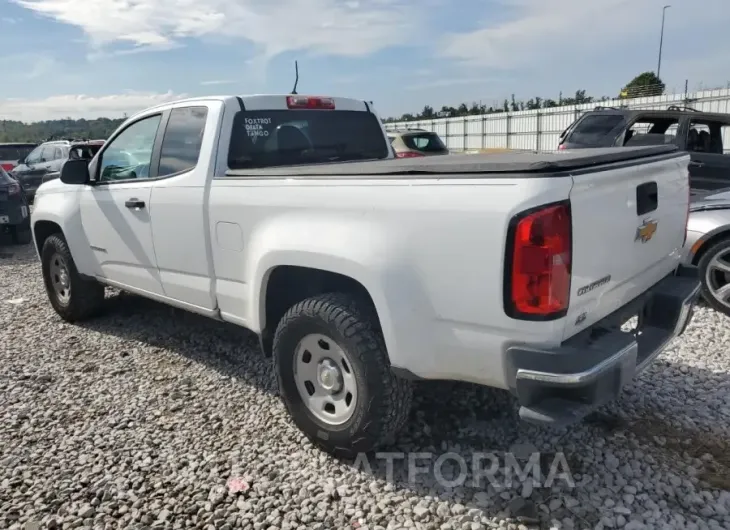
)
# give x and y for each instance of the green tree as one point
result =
(16, 131)
(643, 85)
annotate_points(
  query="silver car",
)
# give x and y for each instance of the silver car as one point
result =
(708, 245)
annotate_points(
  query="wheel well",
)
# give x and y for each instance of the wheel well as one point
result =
(42, 230)
(725, 234)
(288, 285)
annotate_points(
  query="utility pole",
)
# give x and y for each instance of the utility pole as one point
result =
(661, 42)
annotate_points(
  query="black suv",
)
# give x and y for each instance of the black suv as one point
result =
(46, 161)
(705, 135)
(14, 210)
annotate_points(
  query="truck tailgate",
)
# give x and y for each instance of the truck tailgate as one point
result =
(628, 228)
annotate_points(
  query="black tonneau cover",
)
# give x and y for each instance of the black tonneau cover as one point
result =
(521, 162)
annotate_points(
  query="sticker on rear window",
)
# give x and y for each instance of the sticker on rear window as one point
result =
(255, 128)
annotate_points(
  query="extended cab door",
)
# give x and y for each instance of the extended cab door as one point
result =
(180, 227)
(115, 210)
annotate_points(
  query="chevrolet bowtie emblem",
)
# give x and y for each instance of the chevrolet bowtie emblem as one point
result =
(646, 231)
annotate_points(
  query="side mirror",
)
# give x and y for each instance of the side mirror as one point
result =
(75, 172)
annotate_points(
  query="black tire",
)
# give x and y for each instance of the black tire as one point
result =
(86, 296)
(706, 291)
(384, 400)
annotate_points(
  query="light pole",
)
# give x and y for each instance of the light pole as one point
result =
(661, 42)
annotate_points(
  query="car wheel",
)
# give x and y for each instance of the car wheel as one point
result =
(714, 270)
(73, 297)
(334, 375)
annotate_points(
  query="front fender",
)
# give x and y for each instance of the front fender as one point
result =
(63, 209)
(703, 226)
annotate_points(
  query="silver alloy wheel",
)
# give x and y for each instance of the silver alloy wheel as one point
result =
(717, 277)
(325, 380)
(60, 278)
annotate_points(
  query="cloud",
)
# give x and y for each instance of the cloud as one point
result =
(329, 27)
(81, 106)
(9, 20)
(217, 82)
(536, 33)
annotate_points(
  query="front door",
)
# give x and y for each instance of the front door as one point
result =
(115, 208)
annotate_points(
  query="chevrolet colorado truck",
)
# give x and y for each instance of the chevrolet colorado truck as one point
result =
(361, 272)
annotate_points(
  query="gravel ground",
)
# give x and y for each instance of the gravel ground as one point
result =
(141, 417)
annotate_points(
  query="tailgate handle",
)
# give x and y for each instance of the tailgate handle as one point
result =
(647, 198)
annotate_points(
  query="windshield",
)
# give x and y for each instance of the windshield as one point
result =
(15, 152)
(426, 142)
(269, 138)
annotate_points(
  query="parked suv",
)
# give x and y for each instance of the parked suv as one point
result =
(47, 159)
(705, 135)
(409, 143)
(11, 153)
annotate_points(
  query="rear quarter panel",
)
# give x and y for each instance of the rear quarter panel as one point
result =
(429, 251)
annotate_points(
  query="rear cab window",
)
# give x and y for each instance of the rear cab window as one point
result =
(426, 142)
(594, 128)
(295, 136)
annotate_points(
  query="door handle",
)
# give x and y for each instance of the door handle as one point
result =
(134, 203)
(696, 164)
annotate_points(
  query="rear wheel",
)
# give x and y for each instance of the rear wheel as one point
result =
(73, 297)
(335, 378)
(714, 269)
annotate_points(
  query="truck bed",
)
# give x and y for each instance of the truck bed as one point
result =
(528, 164)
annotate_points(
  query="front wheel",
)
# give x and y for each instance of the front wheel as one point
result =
(335, 378)
(73, 297)
(714, 270)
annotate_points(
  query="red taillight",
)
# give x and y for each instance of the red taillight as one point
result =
(7, 167)
(537, 283)
(409, 154)
(309, 102)
(562, 147)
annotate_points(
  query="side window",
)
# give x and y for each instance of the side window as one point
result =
(57, 153)
(35, 156)
(708, 136)
(128, 156)
(648, 130)
(47, 154)
(182, 140)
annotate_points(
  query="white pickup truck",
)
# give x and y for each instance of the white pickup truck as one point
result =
(361, 273)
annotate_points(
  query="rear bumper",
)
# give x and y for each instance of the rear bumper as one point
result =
(560, 386)
(13, 212)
